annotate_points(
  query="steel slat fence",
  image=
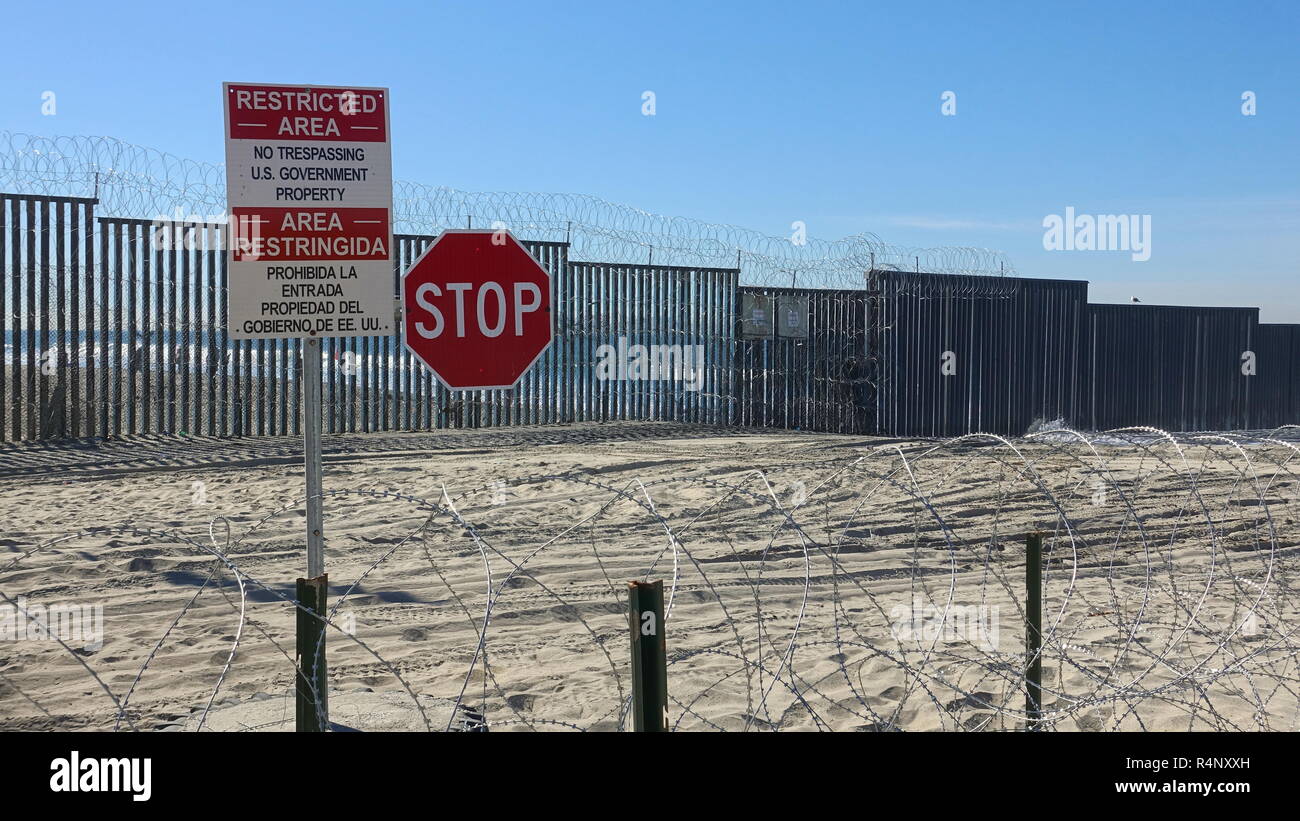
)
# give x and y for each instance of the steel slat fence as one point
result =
(1172, 367)
(116, 327)
(961, 354)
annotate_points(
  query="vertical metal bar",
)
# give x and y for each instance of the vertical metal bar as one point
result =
(610, 310)
(634, 295)
(712, 340)
(624, 339)
(607, 313)
(61, 315)
(346, 369)
(215, 361)
(331, 379)
(599, 315)
(403, 358)
(147, 342)
(724, 399)
(296, 367)
(577, 332)
(47, 363)
(372, 386)
(167, 332)
(653, 298)
(199, 324)
(570, 337)
(15, 277)
(564, 350)
(6, 228)
(591, 338)
(185, 323)
(266, 386)
(583, 376)
(221, 349)
(551, 360)
(661, 306)
(238, 361)
(128, 331)
(311, 451)
(649, 657)
(595, 293)
(381, 383)
(113, 391)
(33, 363)
(104, 341)
(89, 275)
(157, 326)
(1034, 630)
(695, 317)
(282, 371)
(360, 387)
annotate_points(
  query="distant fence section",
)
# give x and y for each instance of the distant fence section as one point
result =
(1180, 368)
(116, 326)
(801, 360)
(958, 354)
(1276, 398)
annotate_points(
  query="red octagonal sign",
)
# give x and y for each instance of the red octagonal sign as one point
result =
(476, 309)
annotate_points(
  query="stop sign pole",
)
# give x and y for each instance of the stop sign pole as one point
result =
(477, 309)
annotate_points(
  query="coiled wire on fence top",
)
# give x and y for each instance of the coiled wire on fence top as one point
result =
(131, 181)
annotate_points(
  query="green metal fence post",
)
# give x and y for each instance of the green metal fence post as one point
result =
(312, 701)
(1034, 630)
(649, 657)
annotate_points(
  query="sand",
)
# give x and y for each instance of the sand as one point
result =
(817, 582)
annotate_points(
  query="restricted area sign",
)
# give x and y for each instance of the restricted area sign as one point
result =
(476, 309)
(309, 187)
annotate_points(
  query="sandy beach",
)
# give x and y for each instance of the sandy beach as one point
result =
(815, 581)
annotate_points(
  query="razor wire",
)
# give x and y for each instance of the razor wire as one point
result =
(132, 181)
(878, 589)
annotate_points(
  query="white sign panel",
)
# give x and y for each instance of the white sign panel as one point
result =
(309, 187)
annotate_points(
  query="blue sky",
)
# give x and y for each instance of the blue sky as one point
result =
(767, 113)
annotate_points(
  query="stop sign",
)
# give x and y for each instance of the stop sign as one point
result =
(476, 309)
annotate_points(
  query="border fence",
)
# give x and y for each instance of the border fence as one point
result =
(960, 354)
(115, 326)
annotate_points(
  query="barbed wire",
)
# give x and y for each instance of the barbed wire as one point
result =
(879, 589)
(144, 183)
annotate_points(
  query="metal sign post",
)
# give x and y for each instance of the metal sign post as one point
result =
(313, 592)
(309, 250)
(311, 412)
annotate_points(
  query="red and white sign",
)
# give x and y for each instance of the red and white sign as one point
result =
(309, 188)
(476, 309)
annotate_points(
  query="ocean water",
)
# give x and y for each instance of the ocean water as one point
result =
(169, 347)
